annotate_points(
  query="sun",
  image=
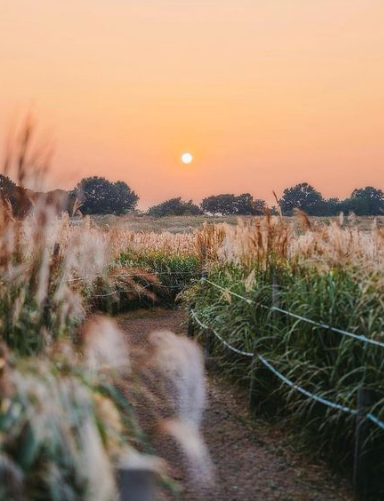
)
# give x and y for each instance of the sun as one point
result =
(186, 158)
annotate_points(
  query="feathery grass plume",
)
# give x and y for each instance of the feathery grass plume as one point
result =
(304, 219)
(104, 346)
(77, 204)
(172, 398)
(63, 426)
(49, 426)
(278, 205)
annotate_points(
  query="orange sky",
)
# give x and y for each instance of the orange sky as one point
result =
(264, 93)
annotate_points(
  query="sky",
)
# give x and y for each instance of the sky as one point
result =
(263, 93)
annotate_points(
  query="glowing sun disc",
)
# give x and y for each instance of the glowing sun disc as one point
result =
(186, 158)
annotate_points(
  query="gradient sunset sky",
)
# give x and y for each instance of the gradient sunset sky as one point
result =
(263, 93)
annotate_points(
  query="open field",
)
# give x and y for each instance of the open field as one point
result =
(181, 224)
(173, 224)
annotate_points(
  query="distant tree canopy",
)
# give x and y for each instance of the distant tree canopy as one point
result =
(175, 207)
(367, 201)
(304, 197)
(219, 204)
(97, 195)
(227, 204)
(16, 196)
(100, 196)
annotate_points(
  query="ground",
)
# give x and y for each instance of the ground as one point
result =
(252, 458)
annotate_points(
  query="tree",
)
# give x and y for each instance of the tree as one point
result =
(259, 207)
(246, 205)
(124, 199)
(303, 196)
(242, 205)
(331, 207)
(366, 201)
(219, 204)
(174, 207)
(100, 196)
(15, 195)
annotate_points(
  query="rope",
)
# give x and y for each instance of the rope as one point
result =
(134, 290)
(375, 420)
(157, 273)
(249, 301)
(287, 381)
(230, 347)
(360, 337)
(178, 286)
(305, 392)
(106, 295)
(320, 325)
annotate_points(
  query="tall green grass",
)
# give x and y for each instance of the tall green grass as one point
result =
(325, 363)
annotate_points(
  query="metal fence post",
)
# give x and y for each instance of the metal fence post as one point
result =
(204, 272)
(254, 395)
(258, 400)
(136, 485)
(275, 291)
(208, 347)
(191, 323)
(208, 334)
(361, 466)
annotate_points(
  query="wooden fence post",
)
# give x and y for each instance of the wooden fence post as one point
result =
(136, 485)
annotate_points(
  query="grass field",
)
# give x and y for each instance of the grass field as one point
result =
(181, 224)
(55, 273)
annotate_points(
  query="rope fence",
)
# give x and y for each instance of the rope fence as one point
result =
(283, 378)
(142, 276)
(361, 412)
(135, 275)
(365, 397)
(359, 337)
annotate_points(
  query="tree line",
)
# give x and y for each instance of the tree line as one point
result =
(96, 195)
(368, 201)
(92, 196)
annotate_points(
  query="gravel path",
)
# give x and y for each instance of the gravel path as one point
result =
(253, 459)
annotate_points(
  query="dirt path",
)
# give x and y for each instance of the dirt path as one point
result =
(252, 459)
